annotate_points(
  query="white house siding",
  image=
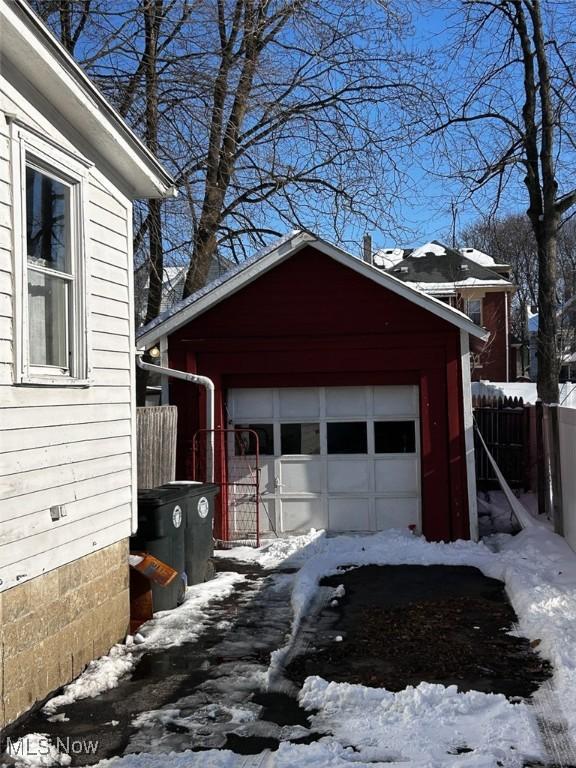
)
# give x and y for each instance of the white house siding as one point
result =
(62, 445)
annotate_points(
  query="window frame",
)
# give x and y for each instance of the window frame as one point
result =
(29, 149)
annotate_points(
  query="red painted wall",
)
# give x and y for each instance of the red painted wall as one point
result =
(311, 321)
(493, 354)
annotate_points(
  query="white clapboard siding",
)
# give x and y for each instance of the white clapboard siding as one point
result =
(5, 255)
(107, 324)
(108, 238)
(59, 555)
(6, 351)
(80, 491)
(110, 342)
(39, 397)
(23, 483)
(33, 459)
(103, 359)
(108, 377)
(112, 273)
(104, 306)
(24, 439)
(5, 305)
(109, 290)
(6, 283)
(102, 200)
(65, 531)
(41, 522)
(5, 328)
(64, 414)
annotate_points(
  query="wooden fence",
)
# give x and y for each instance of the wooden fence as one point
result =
(156, 441)
(504, 423)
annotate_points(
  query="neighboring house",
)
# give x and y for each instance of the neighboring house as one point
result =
(70, 169)
(358, 384)
(566, 319)
(472, 282)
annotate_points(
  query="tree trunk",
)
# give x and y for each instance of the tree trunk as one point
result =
(548, 365)
(152, 10)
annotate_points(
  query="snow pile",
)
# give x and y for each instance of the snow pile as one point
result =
(289, 550)
(423, 725)
(99, 676)
(181, 625)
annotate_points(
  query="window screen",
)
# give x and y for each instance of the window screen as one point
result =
(346, 437)
(303, 439)
(394, 437)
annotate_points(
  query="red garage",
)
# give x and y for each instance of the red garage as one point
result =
(358, 387)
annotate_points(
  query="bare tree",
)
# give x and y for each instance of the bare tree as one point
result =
(506, 119)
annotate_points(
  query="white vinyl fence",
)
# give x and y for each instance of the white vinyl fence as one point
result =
(567, 456)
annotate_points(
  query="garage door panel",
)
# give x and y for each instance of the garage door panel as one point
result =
(397, 513)
(266, 475)
(302, 514)
(346, 401)
(299, 403)
(267, 515)
(348, 475)
(349, 514)
(395, 401)
(396, 475)
(247, 404)
(301, 476)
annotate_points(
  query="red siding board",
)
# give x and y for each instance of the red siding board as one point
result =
(311, 321)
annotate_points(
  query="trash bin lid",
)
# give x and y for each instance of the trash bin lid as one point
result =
(161, 495)
(192, 488)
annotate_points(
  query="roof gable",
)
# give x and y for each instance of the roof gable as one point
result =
(267, 259)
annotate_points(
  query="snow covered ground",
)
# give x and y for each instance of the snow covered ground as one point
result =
(429, 725)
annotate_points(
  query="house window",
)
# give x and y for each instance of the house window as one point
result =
(51, 283)
(474, 310)
(50, 277)
(450, 300)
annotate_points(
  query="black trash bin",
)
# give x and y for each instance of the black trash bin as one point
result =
(161, 532)
(199, 520)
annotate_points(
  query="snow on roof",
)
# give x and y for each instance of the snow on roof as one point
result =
(478, 256)
(388, 257)
(433, 248)
(450, 286)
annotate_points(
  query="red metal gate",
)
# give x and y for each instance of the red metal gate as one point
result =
(234, 454)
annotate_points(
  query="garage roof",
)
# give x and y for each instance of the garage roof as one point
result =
(269, 257)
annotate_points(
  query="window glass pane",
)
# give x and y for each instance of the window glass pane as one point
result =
(394, 437)
(474, 310)
(246, 441)
(300, 438)
(47, 221)
(48, 319)
(347, 437)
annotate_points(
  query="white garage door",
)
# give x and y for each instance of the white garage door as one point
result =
(341, 458)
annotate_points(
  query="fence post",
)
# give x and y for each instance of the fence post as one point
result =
(556, 470)
(540, 460)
